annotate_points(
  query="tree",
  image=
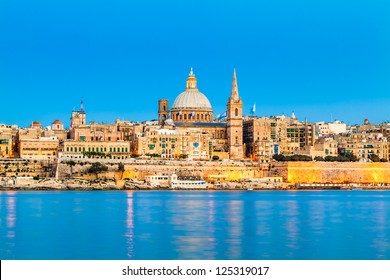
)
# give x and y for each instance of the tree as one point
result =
(121, 168)
(292, 158)
(278, 157)
(319, 158)
(71, 163)
(374, 158)
(97, 168)
(330, 158)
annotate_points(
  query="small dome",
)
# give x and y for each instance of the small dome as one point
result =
(57, 122)
(36, 124)
(191, 99)
(169, 122)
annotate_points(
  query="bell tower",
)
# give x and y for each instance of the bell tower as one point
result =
(163, 112)
(79, 118)
(234, 122)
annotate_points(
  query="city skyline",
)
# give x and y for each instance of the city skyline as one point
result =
(324, 61)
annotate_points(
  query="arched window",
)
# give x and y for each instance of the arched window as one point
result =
(185, 116)
(164, 108)
(236, 112)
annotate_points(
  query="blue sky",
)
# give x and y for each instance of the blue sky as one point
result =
(322, 59)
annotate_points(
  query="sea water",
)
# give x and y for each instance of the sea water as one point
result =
(195, 225)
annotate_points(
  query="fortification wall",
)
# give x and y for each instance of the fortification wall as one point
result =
(137, 170)
(333, 172)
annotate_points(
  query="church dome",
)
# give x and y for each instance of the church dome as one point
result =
(191, 105)
(36, 124)
(191, 99)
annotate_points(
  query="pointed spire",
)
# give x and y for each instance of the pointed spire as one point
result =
(234, 94)
(293, 115)
(82, 105)
(191, 72)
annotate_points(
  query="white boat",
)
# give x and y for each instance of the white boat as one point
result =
(174, 183)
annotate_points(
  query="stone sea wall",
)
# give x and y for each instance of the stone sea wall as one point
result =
(333, 172)
(140, 169)
(291, 172)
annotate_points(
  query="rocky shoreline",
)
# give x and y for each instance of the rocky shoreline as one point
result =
(130, 184)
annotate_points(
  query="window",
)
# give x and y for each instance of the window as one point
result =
(236, 112)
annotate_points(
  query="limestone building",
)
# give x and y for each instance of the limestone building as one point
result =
(264, 137)
(95, 149)
(58, 128)
(364, 145)
(41, 148)
(36, 142)
(257, 139)
(6, 149)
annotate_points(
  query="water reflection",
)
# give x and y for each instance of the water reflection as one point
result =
(381, 241)
(234, 217)
(192, 218)
(130, 225)
(194, 225)
(11, 214)
(292, 223)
